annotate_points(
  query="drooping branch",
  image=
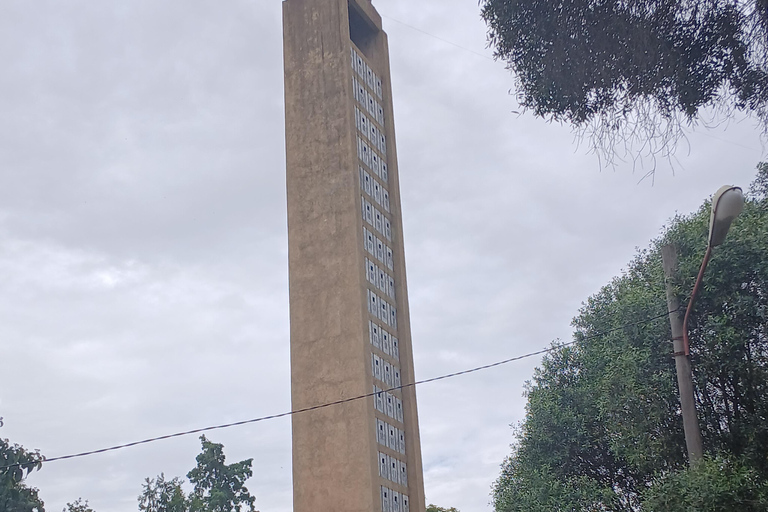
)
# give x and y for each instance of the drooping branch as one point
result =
(630, 75)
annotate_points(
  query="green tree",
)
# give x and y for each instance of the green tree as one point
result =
(633, 70)
(161, 495)
(14, 494)
(713, 485)
(603, 420)
(218, 487)
(759, 187)
(435, 508)
(78, 506)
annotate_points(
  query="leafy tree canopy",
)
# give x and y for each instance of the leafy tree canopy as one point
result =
(435, 508)
(218, 487)
(161, 495)
(78, 506)
(603, 429)
(714, 485)
(14, 494)
(633, 70)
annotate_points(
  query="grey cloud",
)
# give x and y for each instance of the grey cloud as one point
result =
(143, 260)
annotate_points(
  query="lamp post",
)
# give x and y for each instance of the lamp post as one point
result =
(727, 204)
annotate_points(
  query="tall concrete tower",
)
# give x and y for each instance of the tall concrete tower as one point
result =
(350, 327)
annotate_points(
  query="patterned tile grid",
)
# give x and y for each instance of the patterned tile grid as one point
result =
(378, 238)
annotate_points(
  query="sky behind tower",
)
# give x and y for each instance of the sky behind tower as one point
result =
(143, 243)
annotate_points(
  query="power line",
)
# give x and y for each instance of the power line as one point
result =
(437, 37)
(337, 402)
(728, 141)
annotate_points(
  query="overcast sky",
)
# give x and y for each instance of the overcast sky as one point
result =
(143, 243)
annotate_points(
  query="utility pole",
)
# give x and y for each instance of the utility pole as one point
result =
(682, 361)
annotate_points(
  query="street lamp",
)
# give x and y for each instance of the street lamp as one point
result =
(727, 204)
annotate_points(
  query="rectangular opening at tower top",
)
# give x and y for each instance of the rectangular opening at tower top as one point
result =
(361, 30)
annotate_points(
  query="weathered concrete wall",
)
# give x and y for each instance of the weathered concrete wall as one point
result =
(335, 463)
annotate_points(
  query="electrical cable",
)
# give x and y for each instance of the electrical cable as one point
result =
(437, 37)
(337, 402)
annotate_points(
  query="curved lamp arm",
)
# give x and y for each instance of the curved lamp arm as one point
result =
(727, 204)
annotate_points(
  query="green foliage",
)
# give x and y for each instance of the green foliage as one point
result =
(78, 506)
(713, 485)
(603, 416)
(622, 67)
(759, 187)
(219, 487)
(161, 495)
(435, 508)
(14, 494)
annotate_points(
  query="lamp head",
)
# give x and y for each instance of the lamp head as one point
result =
(726, 206)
